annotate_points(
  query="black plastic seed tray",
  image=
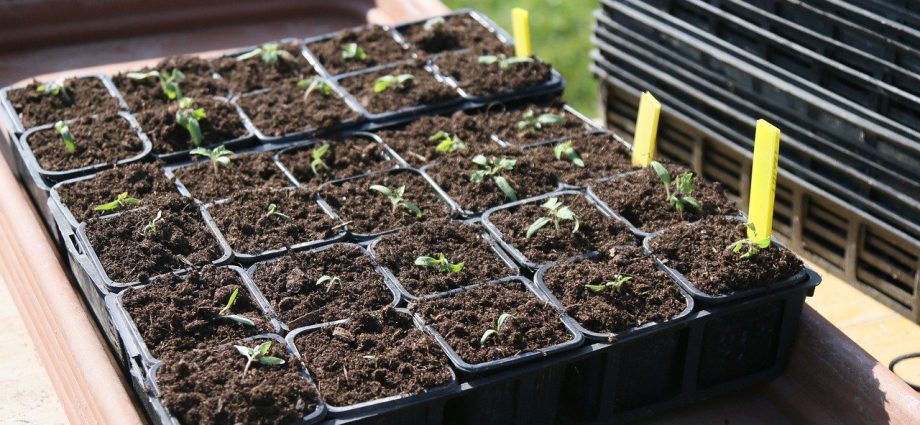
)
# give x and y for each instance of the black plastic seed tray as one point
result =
(897, 26)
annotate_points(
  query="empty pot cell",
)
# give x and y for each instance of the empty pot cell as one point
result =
(581, 159)
(740, 344)
(194, 77)
(91, 141)
(358, 48)
(641, 198)
(335, 159)
(397, 88)
(703, 252)
(287, 108)
(451, 33)
(267, 66)
(533, 124)
(208, 181)
(144, 182)
(480, 73)
(174, 314)
(322, 286)
(430, 138)
(45, 103)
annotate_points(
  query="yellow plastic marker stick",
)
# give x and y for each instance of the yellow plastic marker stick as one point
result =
(646, 130)
(763, 180)
(520, 25)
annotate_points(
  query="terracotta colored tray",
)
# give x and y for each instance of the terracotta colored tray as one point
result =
(829, 378)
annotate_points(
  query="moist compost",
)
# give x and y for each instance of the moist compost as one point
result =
(650, 296)
(702, 251)
(641, 199)
(457, 32)
(505, 125)
(179, 313)
(87, 96)
(252, 74)
(207, 386)
(527, 178)
(377, 42)
(345, 158)
(199, 83)
(601, 155)
(289, 284)
(222, 124)
(102, 140)
(480, 79)
(249, 229)
(405, 360)
(246, 171)
(181, 239)
(596, 232)
(367, 211)
(283, 110)
(413, 142)
(422, 89)
(460, 243)
(143, 181)
(463, 318)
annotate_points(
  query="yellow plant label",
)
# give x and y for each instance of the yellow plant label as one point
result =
(763, 180)
(643, 148)
(520, 24)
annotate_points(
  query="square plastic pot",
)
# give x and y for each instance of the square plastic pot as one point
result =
(246, 140)
(398, 162)
(590, 128)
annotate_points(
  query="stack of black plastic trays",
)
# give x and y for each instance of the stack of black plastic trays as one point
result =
(841, 78)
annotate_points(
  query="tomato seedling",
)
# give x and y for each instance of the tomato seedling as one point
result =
(492, 167)
(447, 143)
(189, 117)
(557, 212)
(258, 354)
(226, 313)
(615, 285)
(534, 123)
(63, 130)
(490, 334)
(680, 197)
(397, 198)
(169, 82)
(387, 82)
(504, 62)
(271, 54)
(314, 83)
(219, 156)
(442, 263)
(751, 247)
(566, 149)
(352, 51)
(120, 201)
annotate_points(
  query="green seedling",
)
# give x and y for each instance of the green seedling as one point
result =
(447, 143)
(225, 312)
(330, 282)
(680, 197)
(274, 210)
(169, 82)
(189, 118)
(434, 24)
(314, 83)
(218, 156)
(271, 53)
(258, 354)
(56, 88)
(373, 359)
(615, 285)
(352, 51)
(534, 123)
(120, 201)
(566, 149)
(492, 167)
(504, 62)
(151, 226)
(492, 333)
(441, 263)
(750, 246)
(391, 81)
(397, 198)
(557, 213)
(63, 130)
(316, 162)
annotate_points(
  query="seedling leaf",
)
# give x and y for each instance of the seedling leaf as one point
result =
(152, 225)
(317, 162)
(352, 51)
(63, 130)
(504, 62)
(188, 118)
(218, 156)
(122, 200)
(387, 82)
(270, 53)
(566, 148)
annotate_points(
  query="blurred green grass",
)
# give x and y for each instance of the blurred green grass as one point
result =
(560, 32)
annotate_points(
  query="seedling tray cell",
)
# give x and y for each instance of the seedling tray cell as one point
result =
(589, 127)
(246, 140)
(483, 20)
(288, 166)
(323, 71)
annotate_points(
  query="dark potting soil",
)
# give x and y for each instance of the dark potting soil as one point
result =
(181, 239)
(367, 211)
(601, 155)
(422, 89)
(345, 158)
(207, 386)
(143, 181)
(463, 318)
(413, 143)
(650, 296)
(179, 313)
(252, 74)
(479, 79)
(596, 232)
(246, 171)
(87, 96)
(378, 43)
(527, 178)
(289, 284)
(460, 243)
(702, 251)
(222, 124)
(405, 360)
(284, 110)
(457, 32)
(249, 229)
(641, 198)
(505, 125)
(147, 94)
(102, 140)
